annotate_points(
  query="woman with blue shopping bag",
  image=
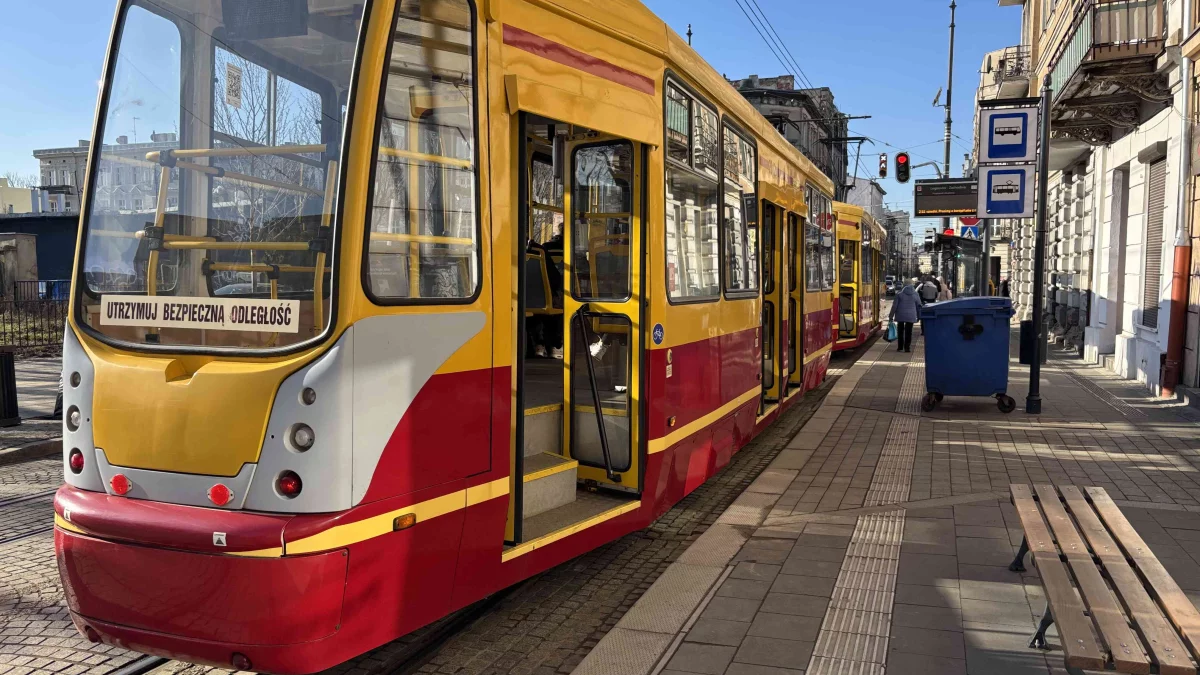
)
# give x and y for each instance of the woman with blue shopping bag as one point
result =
(905, 311)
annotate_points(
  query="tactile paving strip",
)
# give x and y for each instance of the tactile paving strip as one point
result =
(857, 625)
(913, 388)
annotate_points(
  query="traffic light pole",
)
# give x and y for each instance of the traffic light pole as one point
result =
(1033, 402)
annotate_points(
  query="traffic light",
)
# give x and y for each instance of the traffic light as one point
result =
(902, 166)
(883, 165)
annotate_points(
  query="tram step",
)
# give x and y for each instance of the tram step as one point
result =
(549, 483)
(543, 430)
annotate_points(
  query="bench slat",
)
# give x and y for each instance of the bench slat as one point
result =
(1174, 603)
(1164, 644)
(1075, 630)
(1123, 644)
(1037, 535)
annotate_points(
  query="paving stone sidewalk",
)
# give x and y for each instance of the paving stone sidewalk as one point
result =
(878, 541)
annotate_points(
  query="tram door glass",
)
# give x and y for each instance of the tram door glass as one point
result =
(601, 337)
(795, 297)
(769, 270)
(847, 297)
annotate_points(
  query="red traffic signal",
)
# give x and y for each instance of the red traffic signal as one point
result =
(902, 168)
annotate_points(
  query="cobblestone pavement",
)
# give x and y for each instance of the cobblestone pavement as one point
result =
(36, 634)
(883, 542)
(547, 625)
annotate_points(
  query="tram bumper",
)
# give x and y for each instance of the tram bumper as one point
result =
(283, 614)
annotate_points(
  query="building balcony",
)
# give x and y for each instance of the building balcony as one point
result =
(1104, 73)
(1011, 76)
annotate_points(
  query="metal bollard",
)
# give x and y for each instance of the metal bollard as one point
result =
(10, 416)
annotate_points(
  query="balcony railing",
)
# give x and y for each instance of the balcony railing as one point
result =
(1014, 64)
(1109, 30)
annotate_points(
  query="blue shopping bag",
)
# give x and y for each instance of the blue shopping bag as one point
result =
(891, 332)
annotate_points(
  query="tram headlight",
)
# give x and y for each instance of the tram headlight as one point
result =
(75, 379)
(75, 460)
(301, 437)
(288, 484)
(74, 418)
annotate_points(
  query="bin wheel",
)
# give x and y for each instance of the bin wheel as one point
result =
(1006, 403)
(939, 396)
(929, 402)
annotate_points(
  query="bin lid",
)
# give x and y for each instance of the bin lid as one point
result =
(996, 305)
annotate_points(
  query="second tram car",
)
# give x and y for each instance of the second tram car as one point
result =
(405, 302)
(860, 266)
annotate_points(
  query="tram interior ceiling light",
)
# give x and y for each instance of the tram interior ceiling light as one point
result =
(74, 418)
(75, 461)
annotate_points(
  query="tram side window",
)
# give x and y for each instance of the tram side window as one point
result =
(865, 257)
(826, 220)
(423, 243)
(692, 248)
(741, 237)
(812, 243)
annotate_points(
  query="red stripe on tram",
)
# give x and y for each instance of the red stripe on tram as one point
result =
(573, 58)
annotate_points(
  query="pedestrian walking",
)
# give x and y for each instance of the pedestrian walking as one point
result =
(927, 291)
(906, 309)
(945, 293)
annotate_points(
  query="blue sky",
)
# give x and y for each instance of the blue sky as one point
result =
(884, 58)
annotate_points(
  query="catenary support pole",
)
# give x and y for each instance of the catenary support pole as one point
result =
(949, 98)
(1033, 402)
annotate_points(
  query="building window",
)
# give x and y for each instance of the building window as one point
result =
(137, 205)
(68, 206)
(691, 200)
(741, 236)
(424, 170)
(172, 202)
(1156, 202)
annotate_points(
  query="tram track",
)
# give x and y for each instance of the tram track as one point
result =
(26, 516)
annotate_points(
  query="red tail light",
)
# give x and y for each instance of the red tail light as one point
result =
(120, 484)
(75, 460)
(289, 484)
(220, 495)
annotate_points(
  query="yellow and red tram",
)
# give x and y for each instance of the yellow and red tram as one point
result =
(305, 410)
(860, 267)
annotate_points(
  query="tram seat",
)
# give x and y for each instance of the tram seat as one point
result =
(539, 297)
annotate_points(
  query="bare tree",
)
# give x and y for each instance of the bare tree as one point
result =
(22, 180)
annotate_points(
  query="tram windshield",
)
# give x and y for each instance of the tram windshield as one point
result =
(210, 219)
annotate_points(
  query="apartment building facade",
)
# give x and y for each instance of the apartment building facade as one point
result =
(1116, 179)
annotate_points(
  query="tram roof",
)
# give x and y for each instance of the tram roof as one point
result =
(633, 23)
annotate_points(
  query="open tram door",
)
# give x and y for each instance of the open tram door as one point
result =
(775, 307)
(578, 451)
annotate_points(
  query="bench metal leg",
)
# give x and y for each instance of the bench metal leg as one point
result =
(1018, 563)
(1039, 638)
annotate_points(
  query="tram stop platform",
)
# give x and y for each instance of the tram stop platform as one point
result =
(770, 589)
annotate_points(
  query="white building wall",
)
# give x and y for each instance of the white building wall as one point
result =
(1120, 254)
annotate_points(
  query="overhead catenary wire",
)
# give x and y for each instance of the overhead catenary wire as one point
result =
(754, 24)
(792, 59)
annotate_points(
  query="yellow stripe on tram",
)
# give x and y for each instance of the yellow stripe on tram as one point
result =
(660, 444)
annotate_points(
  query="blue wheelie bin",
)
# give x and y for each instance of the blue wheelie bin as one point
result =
(966, 350)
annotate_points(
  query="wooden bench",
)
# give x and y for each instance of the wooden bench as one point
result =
(1116, 606)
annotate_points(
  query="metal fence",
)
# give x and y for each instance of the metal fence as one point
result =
(33, 313)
